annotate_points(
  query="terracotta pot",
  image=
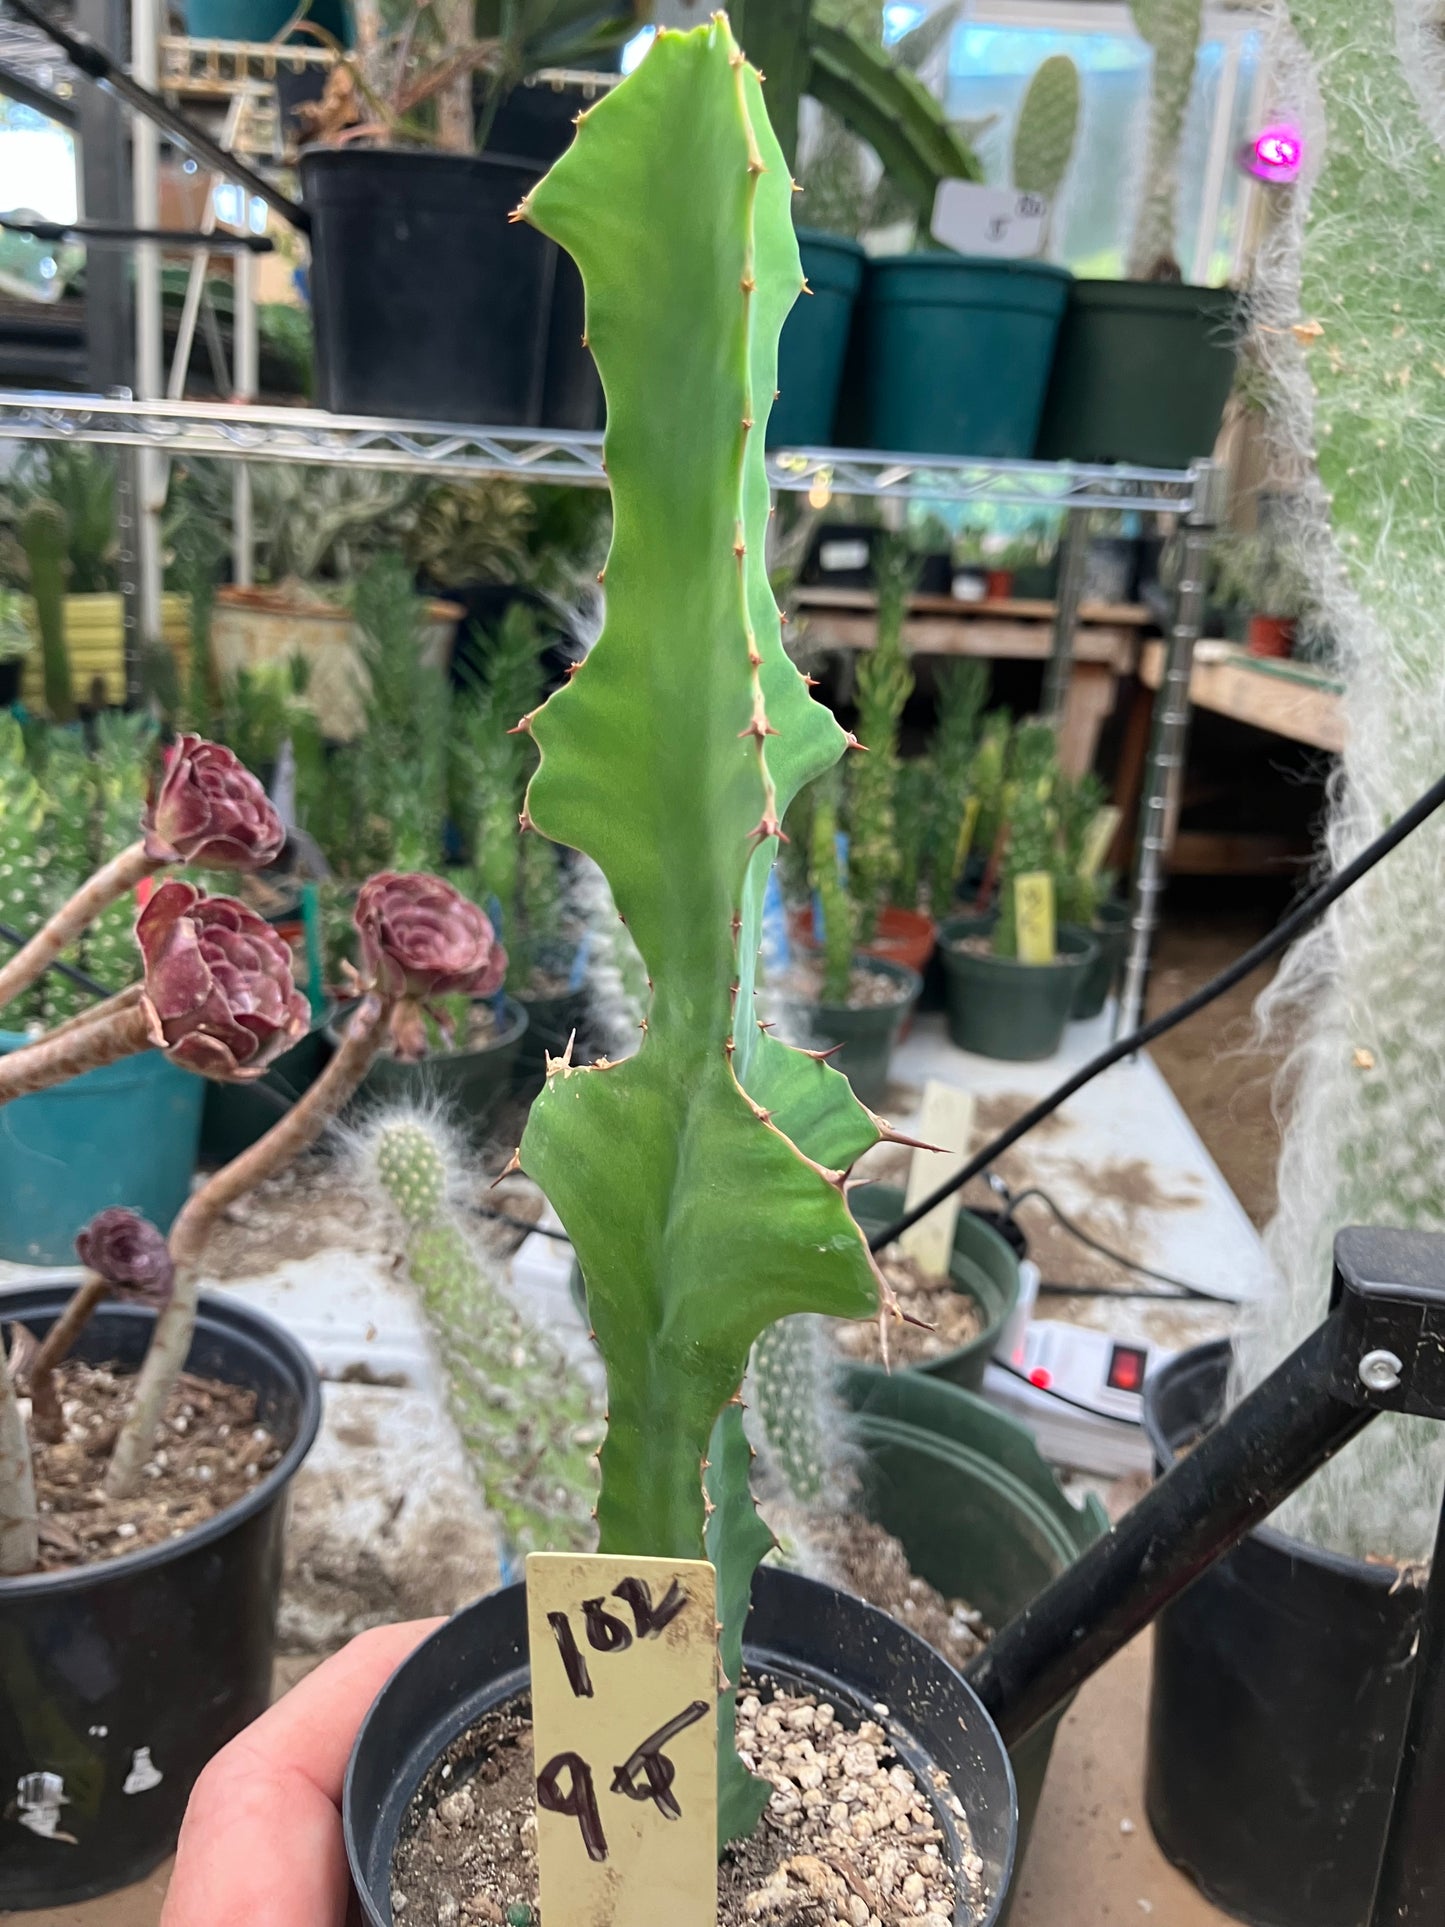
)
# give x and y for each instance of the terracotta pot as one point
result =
(254, 626)
(1271, 636)
(1000, 584)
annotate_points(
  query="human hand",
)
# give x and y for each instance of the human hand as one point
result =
(261, 1841)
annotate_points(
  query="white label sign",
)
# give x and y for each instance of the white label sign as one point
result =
(989, 220)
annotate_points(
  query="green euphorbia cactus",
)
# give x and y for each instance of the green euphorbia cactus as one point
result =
(701, 1181)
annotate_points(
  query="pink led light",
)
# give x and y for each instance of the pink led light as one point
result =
(1277, 153)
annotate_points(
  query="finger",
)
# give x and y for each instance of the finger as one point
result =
(262, 1840)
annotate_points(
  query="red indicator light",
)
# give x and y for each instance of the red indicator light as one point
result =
(1043, 1379)
(1126, 1368)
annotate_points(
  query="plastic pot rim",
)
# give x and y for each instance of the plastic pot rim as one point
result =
(910, 986)
(1082, 947)
(1344, 1564)
(517, 1025)
(31, 1585)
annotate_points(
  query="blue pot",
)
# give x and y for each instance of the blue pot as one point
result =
(124, 1134)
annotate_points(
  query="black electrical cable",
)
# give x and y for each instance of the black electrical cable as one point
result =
(520, 1224)
(1052, 1391)
(1086, 1238)
(1284, 932)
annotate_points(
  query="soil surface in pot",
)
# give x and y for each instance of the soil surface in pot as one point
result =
(949, 1317)
(209, 1454)
(864, 1559)
(849, 1838)
(867, 989)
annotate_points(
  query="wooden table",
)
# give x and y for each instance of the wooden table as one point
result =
(1106, 645)
(1289, 699)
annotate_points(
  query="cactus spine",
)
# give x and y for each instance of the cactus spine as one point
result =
(701, 1180)
(45, 534)
(530, 1428)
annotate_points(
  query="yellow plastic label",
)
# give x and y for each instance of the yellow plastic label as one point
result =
(624, 1719)
(1034, 912)
(1098, 837)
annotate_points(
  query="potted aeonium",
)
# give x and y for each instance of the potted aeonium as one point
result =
(424, 306)
(702, 1180)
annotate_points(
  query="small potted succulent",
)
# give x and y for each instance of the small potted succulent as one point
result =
(1013, 973)
(147, 1435)
(672, 757)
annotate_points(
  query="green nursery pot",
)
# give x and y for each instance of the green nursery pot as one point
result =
(1001, 1008)
(1142, 373)
(814, 343)
(470, 1084)
(976, 1509)
(868, 1036)
(982, 1266)
(1111, 933)
(236, 1115)
(125, 1134)
(956, 352)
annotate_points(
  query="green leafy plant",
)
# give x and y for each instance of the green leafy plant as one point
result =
(16, 640)
(1078, 889)
(80, 480)
(315, 525)
(873, 95)
(671, 757)
(1031, 827)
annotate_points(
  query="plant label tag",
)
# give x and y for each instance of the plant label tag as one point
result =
(989, 220)
(1034, 907)
(1098, 837)
(946, 1118)
(624, 1718)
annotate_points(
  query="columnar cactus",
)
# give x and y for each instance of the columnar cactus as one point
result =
(1171, 28)
(962, 691)
(885, 682)
(803, 1424)
(701, 1180)
(530, 1427)
(835, 910)
(1033, 825)
(45, 534)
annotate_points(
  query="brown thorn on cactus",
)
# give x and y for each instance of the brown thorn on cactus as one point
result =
(755, 661)
(737, 1399)
(810, 682)
(524, 819)
(783, 620)
(852, 742)
(890, 1136)
(767, 826)
(805, 288)
(768, 1025)
(519, 212)
(642, 1025)
(508, 1170)
(707, 1465)
(523, 727)
(822, 1056)
(573, 667)
(585, 342)
(756, 167)
(796, 188)
(737, 924)
(601, 576)
(747, 423)
(728, 1048)
(761, 729)
(740, 548)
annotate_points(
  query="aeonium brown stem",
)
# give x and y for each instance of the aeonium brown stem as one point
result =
(19, 1523)
(97, 893)
(286, 1140)
(98, 1013)
(59, 1056)
(45, 1416)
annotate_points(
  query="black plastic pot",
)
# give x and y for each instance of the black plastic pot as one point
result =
(1281, 1685)
(800, 1634)
(999, 1007)
(1111, 933)
(236, 1115)
(978, 1512)
(869, 1034)
(10, 670)
(429, 304)
(153, 1660)
(982, 1266)
(469, 1083)
(1141, 373)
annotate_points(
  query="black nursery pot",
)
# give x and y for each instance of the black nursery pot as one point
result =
(1281, 1686)
(121, 1680)
(800, 1634)
(429, 304)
